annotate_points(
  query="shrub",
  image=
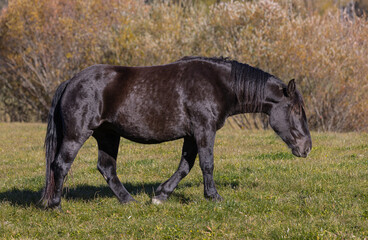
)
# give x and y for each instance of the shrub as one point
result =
(46, 42)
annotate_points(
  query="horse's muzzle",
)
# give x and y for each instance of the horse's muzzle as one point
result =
(296, 151)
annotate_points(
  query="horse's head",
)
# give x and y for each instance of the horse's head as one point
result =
(288, 120)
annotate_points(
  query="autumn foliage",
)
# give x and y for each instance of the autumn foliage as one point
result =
(45, 42)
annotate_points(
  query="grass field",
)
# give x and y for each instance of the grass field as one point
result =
(268, 193)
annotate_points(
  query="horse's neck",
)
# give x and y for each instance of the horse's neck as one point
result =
(273, 92)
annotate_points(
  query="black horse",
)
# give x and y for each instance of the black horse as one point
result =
(190, 98)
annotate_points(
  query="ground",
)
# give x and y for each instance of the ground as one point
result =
(268, 193)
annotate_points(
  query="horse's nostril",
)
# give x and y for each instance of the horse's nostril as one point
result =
(296, 152)
(308, 150)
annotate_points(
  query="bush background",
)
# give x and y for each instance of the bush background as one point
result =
(45, 42)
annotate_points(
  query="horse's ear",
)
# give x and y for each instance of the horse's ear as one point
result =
(291, 88)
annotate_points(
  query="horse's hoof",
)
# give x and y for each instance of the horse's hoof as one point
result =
(58, 208)
(218, 199)
(215, 198)
(157, 201)
(128, 201)
(55, 208)
(51, 204)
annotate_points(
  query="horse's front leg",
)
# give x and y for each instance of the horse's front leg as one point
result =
(205, 141)
(188, 156)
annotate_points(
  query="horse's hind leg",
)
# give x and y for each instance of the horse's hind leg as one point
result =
(60, 167)
(188, 156)
(108, 146)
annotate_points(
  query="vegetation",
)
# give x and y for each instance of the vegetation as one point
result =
(3, 3)
(43, 43)
(268, 193)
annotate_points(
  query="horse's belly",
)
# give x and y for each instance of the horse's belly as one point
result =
(144, 134)
(151, 128)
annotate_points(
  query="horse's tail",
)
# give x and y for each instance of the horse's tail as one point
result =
(52, 141)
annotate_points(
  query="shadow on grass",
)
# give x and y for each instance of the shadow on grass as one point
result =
(21, 197)
(87, 192)
(27, 197)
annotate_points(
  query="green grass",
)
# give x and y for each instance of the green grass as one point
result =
(268, 193)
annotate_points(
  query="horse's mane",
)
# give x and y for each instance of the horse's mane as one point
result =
(212, 59)
(249, 85)
(248, 82)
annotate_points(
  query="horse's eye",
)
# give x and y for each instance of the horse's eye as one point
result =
(296, 109)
